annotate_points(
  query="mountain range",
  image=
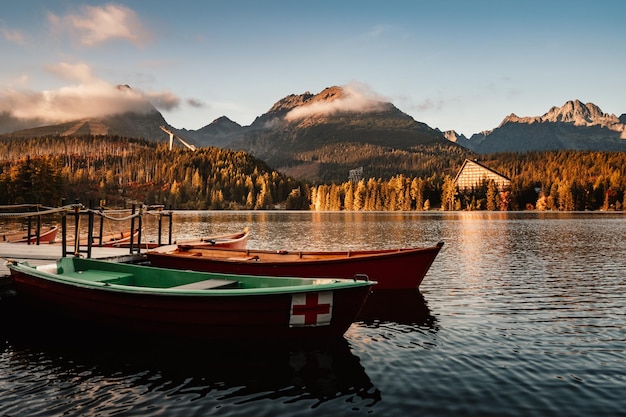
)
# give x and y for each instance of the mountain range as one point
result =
(574, 126)
(321, 136)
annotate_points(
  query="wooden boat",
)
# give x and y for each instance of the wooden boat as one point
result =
(118, 239)
(113, 239)
(45, 236)
(237, 240)
(159, 301)
(392, 269)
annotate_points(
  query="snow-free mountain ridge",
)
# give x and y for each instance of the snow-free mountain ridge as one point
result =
(573, 126)
(298, 124)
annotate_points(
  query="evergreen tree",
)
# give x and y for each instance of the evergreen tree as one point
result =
(448, 194)
(492, 193)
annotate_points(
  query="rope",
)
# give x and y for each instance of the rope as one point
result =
(14, 206)
(37, 213)
(73, 208)
(105, 216)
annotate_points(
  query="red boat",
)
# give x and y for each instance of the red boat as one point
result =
(236, 240)
(116, 239)
(167, 302)
(45, 236)
(231, 240)
(392, 269)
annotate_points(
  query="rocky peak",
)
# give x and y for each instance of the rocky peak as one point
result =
(221, 126)
(293, 101)
(579, 114)
(225, 121)
(290, 102)
(513, 118)
(574, 125)
(452, 136)
(574, 112)
(329, 94)
(308, 109)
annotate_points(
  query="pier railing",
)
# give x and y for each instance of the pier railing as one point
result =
(32, 212)
(95, 231)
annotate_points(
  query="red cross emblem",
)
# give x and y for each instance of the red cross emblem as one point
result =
(311, 309)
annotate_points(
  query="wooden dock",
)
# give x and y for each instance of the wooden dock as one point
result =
(49, 253)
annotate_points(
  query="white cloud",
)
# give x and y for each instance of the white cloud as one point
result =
(72, 72)
(164, 100)
(87, 97)
(95, 25)
(14, 36)
(355, 97)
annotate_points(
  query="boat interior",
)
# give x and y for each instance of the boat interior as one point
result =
(82, 269)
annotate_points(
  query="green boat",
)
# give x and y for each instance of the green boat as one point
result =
(203, 305)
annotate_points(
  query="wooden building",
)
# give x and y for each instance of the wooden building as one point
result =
(356, 174)
(473, 174)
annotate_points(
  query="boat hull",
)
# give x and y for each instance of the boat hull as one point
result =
(190, 315)
(395, 269)
(113, 240)
(46, 236)
(227, 241)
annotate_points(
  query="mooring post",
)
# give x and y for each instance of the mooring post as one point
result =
(38, 230)
(160, 227)
(140, 229)
(90, 217)
(76, 229)
(132, 228)
(64, 229)
(101, 232)
(28, 227)
(169, 242)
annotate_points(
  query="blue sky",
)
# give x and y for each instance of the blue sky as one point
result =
(453, 64)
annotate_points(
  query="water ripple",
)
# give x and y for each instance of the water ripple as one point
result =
(522, 314)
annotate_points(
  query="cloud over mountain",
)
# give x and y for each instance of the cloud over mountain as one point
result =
(351, 98)
(86, 96)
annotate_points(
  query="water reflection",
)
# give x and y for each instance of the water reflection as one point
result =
(528, 320)
(312, 230)
(398, 306)
(86, 362)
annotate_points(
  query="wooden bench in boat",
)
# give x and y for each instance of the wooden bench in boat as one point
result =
(209, 284)
(97, 275)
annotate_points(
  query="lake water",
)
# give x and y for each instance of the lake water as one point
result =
(521, 314)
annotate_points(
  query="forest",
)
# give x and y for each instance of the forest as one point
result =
(115, 172)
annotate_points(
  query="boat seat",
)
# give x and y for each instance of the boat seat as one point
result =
(97, 275)
(209, 284)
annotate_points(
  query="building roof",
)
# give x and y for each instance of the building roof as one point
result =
(472, 174)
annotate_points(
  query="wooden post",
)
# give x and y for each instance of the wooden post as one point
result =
(132, 229)
(38, 230)
(101, 226)
(160, 228)
(169, 242)
(140, 229)
(90, 218)
(64, 230)
(28, 227)
(76, 229)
